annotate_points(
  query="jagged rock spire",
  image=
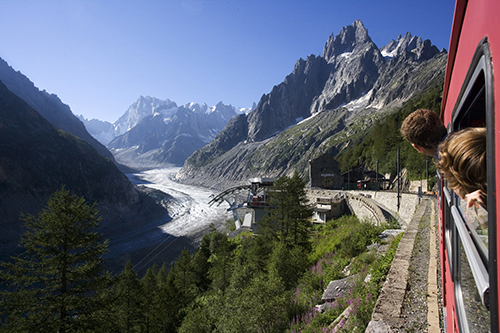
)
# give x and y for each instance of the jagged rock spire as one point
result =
(348, 38)
(421, 50)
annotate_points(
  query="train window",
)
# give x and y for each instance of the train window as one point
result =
(473, 109)
(471, 112)
(448, 230)
(469, 231)
(476, 314)
(477, 222)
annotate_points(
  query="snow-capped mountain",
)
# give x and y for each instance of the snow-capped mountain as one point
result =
(105, 131)
(143, 107)
(154, 132)
(102, 131)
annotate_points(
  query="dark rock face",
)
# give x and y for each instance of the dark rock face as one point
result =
(288, 101)
(403, 76)
(342, 89)
(37, 159)
(37, 156)
(48, 105)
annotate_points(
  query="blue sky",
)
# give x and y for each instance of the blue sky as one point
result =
(99, 56)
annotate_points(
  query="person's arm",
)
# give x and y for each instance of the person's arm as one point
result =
(475, 198)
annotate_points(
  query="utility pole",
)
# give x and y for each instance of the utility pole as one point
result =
(399, 179)
(427, 173)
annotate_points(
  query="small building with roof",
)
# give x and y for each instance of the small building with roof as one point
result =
(328, 208)
(324, 173)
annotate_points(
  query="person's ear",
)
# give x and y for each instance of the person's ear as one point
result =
(418, 148)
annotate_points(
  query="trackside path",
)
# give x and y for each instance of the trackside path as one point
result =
(410, 298)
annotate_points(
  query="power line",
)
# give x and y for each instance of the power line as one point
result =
(152, 252)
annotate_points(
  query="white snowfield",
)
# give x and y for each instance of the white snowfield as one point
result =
(190, 211)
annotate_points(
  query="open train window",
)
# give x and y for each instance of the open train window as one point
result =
(471, 112)
(472, 232)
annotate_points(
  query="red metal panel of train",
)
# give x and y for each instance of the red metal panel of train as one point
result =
(473, 53)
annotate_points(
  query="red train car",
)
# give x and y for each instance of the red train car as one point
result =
(468, 238)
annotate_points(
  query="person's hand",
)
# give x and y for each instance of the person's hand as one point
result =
(474, 198)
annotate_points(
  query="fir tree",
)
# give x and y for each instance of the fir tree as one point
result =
(128, 292)
(221, 257)
(57, 284)
(289, 215)
(149, 290)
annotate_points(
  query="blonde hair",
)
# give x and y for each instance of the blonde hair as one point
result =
(462, 160)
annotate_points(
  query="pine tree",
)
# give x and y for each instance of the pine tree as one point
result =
(149, 290)
(57, 284)
(221, 258)
(256, 306)
(185, 278)
(201, 264)
(288, 264)
(169, 305)
(127, 307)
(289, 215)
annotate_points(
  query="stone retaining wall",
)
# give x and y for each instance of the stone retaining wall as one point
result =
(364, 208)
(365, 204)
(389, 200)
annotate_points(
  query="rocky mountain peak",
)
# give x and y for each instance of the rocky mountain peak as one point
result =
(197, 108)
(351, 36)
(323, 103)
(303, 67)
(355, 64)
(409, 45)
(425, 50)
(141, 108)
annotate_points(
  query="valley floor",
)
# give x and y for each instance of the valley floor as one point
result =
(190, 211)
(190, 219)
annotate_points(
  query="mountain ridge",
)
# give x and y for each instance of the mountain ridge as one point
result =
(38, 158)
(156, 133)
(48, 105)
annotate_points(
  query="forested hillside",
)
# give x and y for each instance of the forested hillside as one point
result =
(384, 139)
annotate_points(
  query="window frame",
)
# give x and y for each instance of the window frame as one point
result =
(457, 233)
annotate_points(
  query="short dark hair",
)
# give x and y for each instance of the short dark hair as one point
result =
(423, 128)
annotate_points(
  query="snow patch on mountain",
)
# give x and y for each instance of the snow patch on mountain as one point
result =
(386, 54)
(360, 103)
(345, 55)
